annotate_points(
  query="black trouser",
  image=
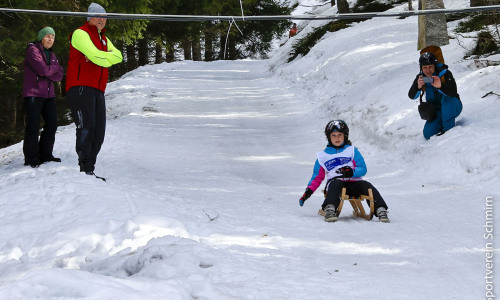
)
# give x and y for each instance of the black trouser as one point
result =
(88, 109)
(35, 151)
(353, 189)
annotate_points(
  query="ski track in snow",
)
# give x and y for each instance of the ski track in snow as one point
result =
(205, 164)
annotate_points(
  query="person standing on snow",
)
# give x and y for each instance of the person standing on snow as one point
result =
(90, 56)
(340, 157)
(440, 87)
(293, 30)
(41, 69)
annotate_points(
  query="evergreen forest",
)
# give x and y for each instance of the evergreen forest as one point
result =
(142, 41)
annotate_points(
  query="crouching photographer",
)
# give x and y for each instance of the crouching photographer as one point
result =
(443, 103)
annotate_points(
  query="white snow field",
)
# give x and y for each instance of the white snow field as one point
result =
(205, 163)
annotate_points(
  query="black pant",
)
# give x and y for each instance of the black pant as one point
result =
(37, 151)
(353, 189)
(88, 109)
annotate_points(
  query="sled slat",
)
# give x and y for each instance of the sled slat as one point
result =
(357, 204)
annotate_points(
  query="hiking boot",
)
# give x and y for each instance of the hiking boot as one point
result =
(33, 164)
(93, 174)
(382, 215)
(330, 213)
(48, 159)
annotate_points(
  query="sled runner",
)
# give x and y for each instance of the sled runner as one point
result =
(357, 205)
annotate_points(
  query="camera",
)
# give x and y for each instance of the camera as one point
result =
(428, 79)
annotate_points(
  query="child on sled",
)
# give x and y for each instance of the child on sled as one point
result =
(343, 166)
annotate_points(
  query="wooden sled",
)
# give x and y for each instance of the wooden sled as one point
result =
(357, 205)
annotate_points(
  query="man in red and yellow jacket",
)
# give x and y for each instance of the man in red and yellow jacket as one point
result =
(90, 56)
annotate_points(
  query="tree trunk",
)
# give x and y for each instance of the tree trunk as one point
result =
(342, 7)
(228, 51)
(231, 49)
(209, 47)
(186, 45)
(222, 39)
(158, 52)
(196, 50)
(131, 59)
(410, 5)
(332, 2)
(432, 29)
(170, 52)
(143, 52)
(12, 117)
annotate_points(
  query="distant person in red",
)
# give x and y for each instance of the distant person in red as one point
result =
(293, 30)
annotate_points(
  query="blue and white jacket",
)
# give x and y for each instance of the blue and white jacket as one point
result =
(331, 159)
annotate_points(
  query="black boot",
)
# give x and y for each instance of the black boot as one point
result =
(33, 164)
(51, 158)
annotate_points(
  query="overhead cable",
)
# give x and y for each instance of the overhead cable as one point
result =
(185, 18)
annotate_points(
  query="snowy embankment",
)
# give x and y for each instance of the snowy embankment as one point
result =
(205, 164)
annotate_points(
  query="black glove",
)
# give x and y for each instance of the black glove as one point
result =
(306, 196)
(346, 172)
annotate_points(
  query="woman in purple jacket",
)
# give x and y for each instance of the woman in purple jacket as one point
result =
(41, 69)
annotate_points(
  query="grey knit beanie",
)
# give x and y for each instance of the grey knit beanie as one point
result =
(95, 9)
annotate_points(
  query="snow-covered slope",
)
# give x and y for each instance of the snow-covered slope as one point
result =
(205, 164)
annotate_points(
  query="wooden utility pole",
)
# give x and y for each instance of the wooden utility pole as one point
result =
(342, 6)
(432, 29)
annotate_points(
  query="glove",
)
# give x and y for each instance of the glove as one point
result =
(347, 172)
(306, 196)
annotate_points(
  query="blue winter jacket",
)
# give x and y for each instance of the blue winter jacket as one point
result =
(434, 95)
